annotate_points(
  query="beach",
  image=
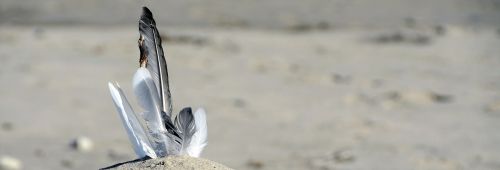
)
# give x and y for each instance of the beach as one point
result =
(303, 96)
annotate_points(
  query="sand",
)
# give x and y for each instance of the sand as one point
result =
(298, 14)
(402, 98)
(171, 162)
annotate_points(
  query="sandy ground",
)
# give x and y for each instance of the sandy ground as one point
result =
(170, 162)
(255, 13)
(423, 98)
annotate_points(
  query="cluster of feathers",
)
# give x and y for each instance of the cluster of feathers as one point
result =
(152, 132)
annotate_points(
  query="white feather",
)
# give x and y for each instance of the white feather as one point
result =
(145, 90)
(199, 138)
(149, 100)
(135, 131)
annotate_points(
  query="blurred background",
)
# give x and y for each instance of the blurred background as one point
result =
(287, 84)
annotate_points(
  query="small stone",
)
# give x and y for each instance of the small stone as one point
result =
(9, 163)
(82, 144)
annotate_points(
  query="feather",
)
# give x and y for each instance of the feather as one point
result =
(135, 131)
(199, 138)
(148, 99)
(186, 125)
(155, 135)
(163, 135)
(153, 59)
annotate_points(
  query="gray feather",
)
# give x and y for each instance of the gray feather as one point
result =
(186, 125)
(153, 59)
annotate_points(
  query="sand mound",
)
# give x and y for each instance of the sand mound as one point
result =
(171, 162)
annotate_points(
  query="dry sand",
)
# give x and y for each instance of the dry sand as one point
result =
(302, 99)
(171, 163)
(255, 13)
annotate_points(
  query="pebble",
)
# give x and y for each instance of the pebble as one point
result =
(82, 144)
(9, 163)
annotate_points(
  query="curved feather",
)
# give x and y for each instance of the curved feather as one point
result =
(135, 131)
(186, 125)
(199, 138)
(153, 59)
(163, 135)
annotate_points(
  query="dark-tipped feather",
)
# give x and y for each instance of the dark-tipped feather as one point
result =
(153, 59)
